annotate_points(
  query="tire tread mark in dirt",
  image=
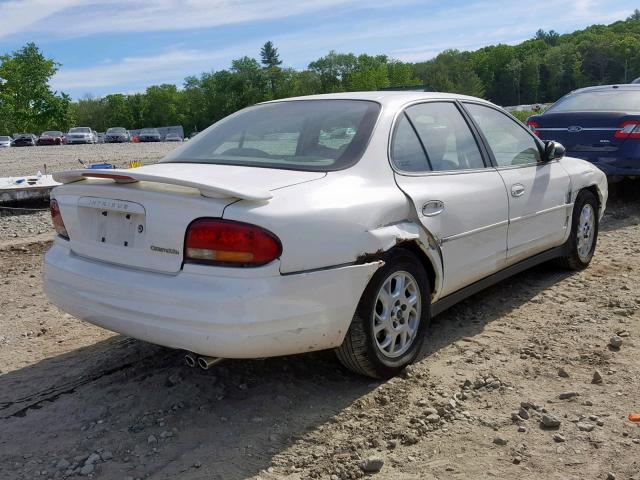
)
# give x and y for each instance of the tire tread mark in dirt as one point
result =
(53, 393)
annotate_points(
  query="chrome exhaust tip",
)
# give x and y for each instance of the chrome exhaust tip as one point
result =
(206, 363)
(190, 359)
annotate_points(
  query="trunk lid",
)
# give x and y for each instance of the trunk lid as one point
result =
(583, 131)
(138, 217)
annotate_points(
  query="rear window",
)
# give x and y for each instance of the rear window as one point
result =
(80, 130)
(318, 135)
(599, 101)
(52, 134)
(4, 139)
(116, 130)
(149, 131)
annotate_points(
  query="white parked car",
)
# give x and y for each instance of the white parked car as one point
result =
(271, 234)
(173, 137)
(81, 135)
(5, 141)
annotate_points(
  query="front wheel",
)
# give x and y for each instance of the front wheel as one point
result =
(389, 325)
(584, 232)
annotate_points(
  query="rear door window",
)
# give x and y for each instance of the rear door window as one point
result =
(407, 153)
(434, 136)
(446, 137)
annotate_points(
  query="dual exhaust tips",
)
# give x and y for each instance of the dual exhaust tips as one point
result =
(204, 362)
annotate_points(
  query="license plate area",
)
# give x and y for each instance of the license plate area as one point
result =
(112, 222)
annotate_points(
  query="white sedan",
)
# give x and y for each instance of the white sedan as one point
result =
(342, 221)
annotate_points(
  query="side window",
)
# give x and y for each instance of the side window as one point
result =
(406, 152)
(446, 137)
(510, 143)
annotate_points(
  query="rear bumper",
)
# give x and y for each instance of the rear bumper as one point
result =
(612, 166)
(222, 316)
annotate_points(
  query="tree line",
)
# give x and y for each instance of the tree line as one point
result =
(538, 70)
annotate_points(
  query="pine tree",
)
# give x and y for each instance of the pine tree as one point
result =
(269, 55)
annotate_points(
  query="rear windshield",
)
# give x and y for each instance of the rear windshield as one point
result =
(599, 101)
(149, 130)
(80, 130)
(319, 135)
(116, 130)
(52, 134)
(4, 139)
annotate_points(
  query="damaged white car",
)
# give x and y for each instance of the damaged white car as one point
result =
(342, 221)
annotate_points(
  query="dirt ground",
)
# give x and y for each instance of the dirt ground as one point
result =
(78, 401)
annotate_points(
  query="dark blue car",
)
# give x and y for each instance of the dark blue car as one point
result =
(598, 124)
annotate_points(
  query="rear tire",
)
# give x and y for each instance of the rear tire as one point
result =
(388, 328)
(584, 232)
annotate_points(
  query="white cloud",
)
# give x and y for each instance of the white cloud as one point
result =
(20, 15)
(77, 18)
(418, 35)
(167, 67)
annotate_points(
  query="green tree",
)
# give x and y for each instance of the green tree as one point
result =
(117, 112)
(162, 106)
(269, 55)
(27, 103)
(401, 74)
(90, 112)
(273, 73)
(333, 70)
(551, 37)
(306, 82)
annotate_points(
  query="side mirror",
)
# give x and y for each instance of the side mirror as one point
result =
(553, 151)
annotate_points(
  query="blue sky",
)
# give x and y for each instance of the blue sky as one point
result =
(123, 46)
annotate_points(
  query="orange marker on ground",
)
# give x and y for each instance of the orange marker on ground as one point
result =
(634, 417)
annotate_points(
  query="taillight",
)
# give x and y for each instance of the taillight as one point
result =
(533, 126)
(629, 129)
(226, 242)
(56, 217)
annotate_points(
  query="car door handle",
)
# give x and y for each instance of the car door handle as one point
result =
(433, 208)
(517, 190)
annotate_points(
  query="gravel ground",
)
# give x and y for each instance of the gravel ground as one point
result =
(19, 161)
(524, 380)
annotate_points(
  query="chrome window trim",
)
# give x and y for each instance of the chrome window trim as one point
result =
(526, 165)
(585, 129)
(540, 212)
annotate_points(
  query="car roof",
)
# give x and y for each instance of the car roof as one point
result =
(600, 88)
(384, 97)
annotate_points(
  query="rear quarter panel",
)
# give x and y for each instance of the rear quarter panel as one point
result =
(327, 222)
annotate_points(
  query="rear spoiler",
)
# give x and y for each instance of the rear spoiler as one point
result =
(209, 189)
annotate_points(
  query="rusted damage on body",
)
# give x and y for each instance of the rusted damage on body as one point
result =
(414, 237)
(371, 257)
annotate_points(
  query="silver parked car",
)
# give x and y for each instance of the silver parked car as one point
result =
(81, 135)
(173, 137)
(117, 135)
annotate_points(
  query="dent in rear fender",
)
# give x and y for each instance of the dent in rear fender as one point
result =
(389, 236)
